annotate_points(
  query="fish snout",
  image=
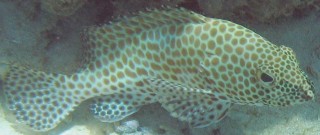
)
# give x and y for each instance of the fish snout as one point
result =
(308, 95)
(308, 90)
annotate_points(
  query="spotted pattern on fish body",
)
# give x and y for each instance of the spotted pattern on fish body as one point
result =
(195, 67)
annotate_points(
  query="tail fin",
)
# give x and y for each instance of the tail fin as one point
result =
(37, 99)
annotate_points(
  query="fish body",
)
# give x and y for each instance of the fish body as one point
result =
(196, 67)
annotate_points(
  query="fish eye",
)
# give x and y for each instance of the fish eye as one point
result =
(266, 78)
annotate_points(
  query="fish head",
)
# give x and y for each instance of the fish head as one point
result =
(282, 82)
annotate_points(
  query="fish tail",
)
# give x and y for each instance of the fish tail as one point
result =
(38, 99)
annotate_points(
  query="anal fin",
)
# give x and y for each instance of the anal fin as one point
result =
(115, 107)
(197, 106)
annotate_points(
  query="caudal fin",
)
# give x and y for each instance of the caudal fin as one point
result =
(37, 99)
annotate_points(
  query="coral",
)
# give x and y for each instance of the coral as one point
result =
(258, 10)
(132, 127)
(128, 127)
(62, 7)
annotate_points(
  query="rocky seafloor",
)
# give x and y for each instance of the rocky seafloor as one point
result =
(46, 35)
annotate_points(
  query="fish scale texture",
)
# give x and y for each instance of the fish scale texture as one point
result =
(195, 67)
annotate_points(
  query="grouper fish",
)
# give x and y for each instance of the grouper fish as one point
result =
(194, 66)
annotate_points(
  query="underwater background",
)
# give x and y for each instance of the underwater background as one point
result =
(47, 35)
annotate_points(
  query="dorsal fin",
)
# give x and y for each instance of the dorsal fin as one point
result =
(108, 37)
(154, 18)
(143, 21)
(158, 17)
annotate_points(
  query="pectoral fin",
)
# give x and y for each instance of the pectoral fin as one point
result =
(197, 106)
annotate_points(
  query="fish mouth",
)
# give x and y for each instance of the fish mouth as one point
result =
(309, 93)
(305, 92)
(289, 99)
